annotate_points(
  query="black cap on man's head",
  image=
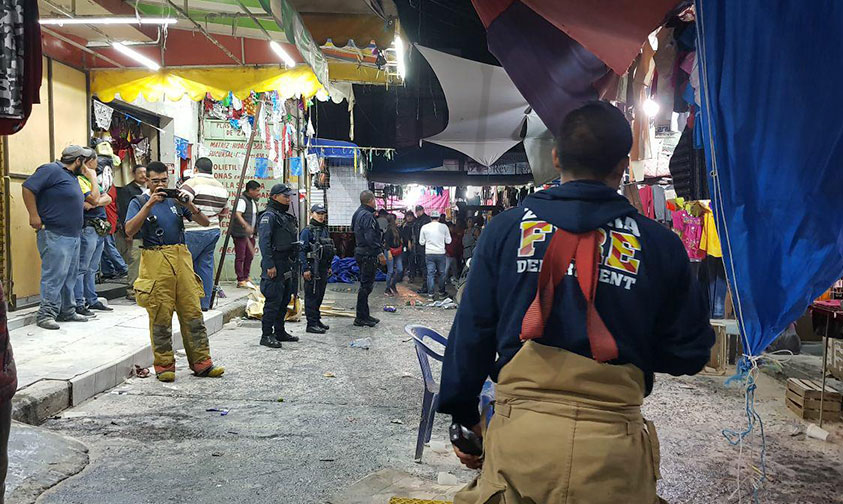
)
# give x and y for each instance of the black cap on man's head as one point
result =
(281, 189)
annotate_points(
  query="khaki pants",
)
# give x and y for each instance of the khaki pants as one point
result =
(567, 429)
(167, 283)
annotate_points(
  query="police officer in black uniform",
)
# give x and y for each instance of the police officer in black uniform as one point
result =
(317, 252)
(368, 253)
(278, 233)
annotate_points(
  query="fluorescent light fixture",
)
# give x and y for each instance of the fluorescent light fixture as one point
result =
(399, 56)
(288, 61)
(651, 108)
(140, 58)
(107, 21)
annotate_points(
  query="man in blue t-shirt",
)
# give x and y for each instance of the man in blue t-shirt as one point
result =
(54, 200)
(166, 280)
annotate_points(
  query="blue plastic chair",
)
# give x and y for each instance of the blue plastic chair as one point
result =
(430, 400)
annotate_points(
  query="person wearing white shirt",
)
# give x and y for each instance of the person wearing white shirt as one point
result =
(433, 237)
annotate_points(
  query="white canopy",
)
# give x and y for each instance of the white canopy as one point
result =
(485, 109)
(487, 114)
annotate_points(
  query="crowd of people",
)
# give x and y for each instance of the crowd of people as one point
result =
(428, 247)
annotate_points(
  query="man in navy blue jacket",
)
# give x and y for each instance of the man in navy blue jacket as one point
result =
(368, 253)
(540, 446)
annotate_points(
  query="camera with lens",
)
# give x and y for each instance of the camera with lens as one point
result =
(175, 194)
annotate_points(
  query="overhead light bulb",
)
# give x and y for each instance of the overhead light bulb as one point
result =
(285, 57)
(651, 108)
(107, 20)
(399, 55)
(140, 58)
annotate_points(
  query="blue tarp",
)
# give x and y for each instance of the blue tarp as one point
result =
(347, 271)
(331, 148)
(771, 74)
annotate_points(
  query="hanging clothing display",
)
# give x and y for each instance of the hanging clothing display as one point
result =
(688, 168)
(646, 194)
(710, 241)
(690, 229)
(20, 61)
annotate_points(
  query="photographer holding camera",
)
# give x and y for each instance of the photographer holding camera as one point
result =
(166, 281)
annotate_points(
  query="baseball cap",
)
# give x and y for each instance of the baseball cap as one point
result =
(281, 189)
(434, 214)
(318, 208)
(72, 152)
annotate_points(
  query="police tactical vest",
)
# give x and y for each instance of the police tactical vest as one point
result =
(284, 234)
(322, 246)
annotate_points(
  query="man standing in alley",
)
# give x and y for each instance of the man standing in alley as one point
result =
(243, 226)
(368, 253)
(434, 236)
(210, 197)
(90, 248)
(573, 302)
(422, 219)
(54, 202)
(166, 281)
(317, 253)
(129, 248)
(278, 237)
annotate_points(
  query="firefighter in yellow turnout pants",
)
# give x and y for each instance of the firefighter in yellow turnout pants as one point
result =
(166, 281)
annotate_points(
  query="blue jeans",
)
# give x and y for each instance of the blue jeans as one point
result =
(90, 251)
(435, 262)
(201, 245)
(394, 271)
(59, 263)
(112, 262)
(717, 287)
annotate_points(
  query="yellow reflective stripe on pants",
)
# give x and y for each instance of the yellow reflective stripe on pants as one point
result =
(566, 429)
(166, 283)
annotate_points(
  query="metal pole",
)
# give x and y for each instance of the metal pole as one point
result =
(258, 112)
(825, 361)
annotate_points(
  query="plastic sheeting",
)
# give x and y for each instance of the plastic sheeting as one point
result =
(334, 149)
(775, 138)
(347, 271)
(485, 109)
(177, 82)
(614, 30)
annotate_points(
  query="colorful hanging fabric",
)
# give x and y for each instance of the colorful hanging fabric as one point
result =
(102, 115)
(182, 148)
(261, 167)
(295, 166)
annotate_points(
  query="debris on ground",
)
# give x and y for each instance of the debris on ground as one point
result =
(141, 372)
(397, 421)
(444, 478)
(221, 411)
(813, 431)
(389, 309)
(446, 303)
(280, 399)
(216, 454)
(329, 375)
(364, 343)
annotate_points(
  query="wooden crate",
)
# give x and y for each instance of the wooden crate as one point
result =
(803, 398)
(720, 351)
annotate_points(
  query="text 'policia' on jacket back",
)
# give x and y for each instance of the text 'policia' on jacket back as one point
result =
(645, 294)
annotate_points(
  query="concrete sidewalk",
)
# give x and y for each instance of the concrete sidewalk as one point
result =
(60, 369)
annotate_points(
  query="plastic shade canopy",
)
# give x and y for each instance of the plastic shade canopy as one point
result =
(775, 146)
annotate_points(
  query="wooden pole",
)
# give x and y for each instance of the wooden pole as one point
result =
(258, 112)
